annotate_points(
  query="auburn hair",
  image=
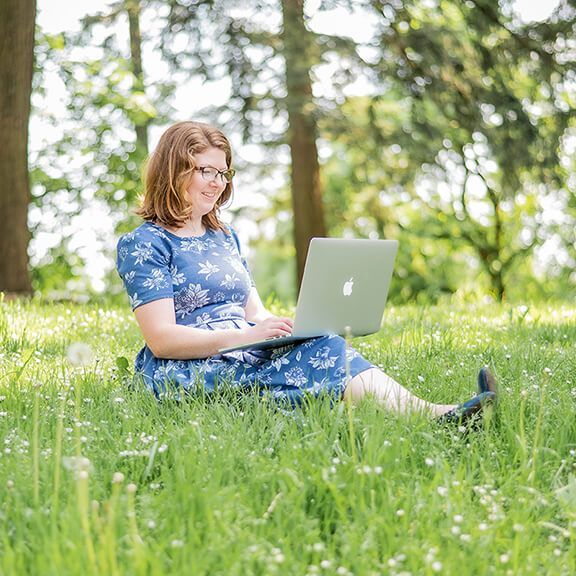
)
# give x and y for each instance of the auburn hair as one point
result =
(168, 172)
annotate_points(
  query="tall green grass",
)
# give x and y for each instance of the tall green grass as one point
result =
(97, 478)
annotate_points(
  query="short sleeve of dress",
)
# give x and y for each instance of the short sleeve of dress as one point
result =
(143, 262)
(243, 260)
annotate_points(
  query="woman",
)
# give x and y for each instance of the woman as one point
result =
(192, 295)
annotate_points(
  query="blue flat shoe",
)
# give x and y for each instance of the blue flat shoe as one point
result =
(469, 409)
(486, 381)
(487, 394)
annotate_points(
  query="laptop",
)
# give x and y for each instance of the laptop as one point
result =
(344, 290)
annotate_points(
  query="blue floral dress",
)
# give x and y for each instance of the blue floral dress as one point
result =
(209, 282)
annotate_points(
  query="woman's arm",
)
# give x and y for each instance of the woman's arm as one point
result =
(166, 339)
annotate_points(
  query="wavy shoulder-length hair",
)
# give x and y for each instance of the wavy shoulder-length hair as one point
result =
(169, 170)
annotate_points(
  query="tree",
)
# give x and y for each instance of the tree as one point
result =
(102, 142)
(268, 54)
(17, 19)
(305, 168)
(484, 105)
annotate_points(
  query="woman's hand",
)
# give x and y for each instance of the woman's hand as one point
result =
(271, 327)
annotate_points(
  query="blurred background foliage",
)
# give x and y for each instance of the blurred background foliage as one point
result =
(460, 143)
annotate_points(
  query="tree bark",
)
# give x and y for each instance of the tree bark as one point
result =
(305, 170)
(133, 9)
(17, 20)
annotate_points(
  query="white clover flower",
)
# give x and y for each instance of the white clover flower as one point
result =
(131, 488)
(437, 566)
(77, 464)
(177, 543)
(504, 558)
(118, 478)
(429, 462)
(79, 354)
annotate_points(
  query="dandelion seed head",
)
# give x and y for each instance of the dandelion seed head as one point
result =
(79, 354)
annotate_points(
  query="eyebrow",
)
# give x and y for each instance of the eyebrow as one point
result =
(219, 169)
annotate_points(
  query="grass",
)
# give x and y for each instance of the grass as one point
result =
(96, 478)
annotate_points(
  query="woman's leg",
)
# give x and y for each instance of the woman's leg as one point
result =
(390, 394)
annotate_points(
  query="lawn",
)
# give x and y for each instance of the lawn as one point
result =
(98, 478)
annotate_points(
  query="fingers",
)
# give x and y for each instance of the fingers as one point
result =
(277, 326)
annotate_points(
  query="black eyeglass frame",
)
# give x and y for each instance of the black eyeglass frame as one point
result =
(225, 175)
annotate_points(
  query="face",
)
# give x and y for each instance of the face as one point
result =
(201, 193)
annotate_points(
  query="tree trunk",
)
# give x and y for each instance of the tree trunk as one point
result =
(133, 9)
(305, 170)
(17, 19)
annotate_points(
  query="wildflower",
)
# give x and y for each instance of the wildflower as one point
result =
(177, 543)
(325, 564)
(77, 464)
(504, 558)
(436, 566)
(442, 490)
(131, 488)
(400, 513)
(118, 478)
(79, 354)
(429, 462)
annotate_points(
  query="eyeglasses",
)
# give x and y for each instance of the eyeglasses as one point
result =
(210, 174)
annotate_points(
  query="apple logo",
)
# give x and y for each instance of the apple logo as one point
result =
(347, 288)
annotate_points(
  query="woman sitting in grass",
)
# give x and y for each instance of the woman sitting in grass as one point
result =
(192, 294)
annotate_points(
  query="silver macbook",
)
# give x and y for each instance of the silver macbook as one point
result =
(345, 286)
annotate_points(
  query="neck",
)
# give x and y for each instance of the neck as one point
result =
(194, 227)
